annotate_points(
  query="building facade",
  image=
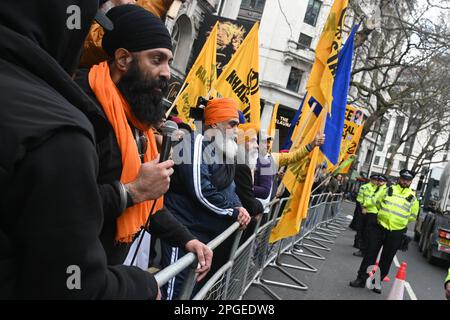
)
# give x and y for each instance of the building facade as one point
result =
(289, 32)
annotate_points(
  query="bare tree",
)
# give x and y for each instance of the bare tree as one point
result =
(402, 67)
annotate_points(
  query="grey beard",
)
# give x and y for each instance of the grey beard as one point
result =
(229, 149)
(251, 159)
(246, 157)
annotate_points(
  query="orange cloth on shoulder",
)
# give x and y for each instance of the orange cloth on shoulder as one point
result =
(118, 112)
(220, 109)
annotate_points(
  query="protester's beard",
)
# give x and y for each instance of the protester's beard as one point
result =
(227, 145)
(247, 157)
(141, 94)
(252, 157)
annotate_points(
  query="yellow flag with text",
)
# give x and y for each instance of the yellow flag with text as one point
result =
(328, 49)
(299, 177)
(353, 120)
(198, 82)
(351, 148)
(320, 82)
(240, 77)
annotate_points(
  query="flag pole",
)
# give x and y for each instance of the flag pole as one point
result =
(175, 100)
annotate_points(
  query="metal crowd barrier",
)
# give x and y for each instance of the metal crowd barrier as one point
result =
(248, 261)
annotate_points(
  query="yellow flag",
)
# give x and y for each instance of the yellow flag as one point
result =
(327, 51)
(273, 121)
(299, 177)
(198, 81)
(352, 121)
(352, 147)
(302, 176)
(240, 78)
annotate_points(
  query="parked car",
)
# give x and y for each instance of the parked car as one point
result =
(432, 229)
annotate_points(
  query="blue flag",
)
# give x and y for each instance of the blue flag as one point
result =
(335, 122)
(288, 140)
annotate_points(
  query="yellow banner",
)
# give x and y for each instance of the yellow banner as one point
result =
(198, 82)
(327, 51)
(354, 118)
(331, 39)
(240, 78)
(300, 176)
(351, 148)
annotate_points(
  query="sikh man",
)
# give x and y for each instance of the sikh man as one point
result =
(202, 193)
(128, 90)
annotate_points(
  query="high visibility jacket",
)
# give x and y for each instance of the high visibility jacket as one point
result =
(397, 209)
(448, 277)
(370, 199)
(366, 190)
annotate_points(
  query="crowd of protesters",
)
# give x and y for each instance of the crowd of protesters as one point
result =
(81, 177)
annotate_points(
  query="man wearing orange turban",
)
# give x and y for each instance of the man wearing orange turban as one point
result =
(202, 191)
(245, 170)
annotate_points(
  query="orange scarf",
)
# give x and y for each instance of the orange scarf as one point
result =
(118, 112)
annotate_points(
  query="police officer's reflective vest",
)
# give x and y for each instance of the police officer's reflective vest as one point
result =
(397, 206)
(366, 190)
(370, 200)
(448, 277)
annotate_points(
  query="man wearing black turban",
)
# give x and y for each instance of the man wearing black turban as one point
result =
(128, 90)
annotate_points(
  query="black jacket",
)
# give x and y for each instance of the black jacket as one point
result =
(244, 189)
(202, 192)
(162, 224)
(50, 207)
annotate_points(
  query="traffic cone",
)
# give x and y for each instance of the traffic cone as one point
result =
(398, 287)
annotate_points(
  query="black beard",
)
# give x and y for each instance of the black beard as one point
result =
(145, 102)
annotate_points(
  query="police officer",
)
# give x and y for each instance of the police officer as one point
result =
(366, 190)
(397, 205)
(369, 219)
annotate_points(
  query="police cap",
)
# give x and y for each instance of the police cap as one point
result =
(407, 174)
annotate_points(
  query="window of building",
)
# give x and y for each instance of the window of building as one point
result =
(383, 133)
(312, 12)
(377, 160)
(409, 145)
(401, 165)
(368, 157)
(256, 5)
(181, 40)
(304, 41)
(295, 78)
(398, 130)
